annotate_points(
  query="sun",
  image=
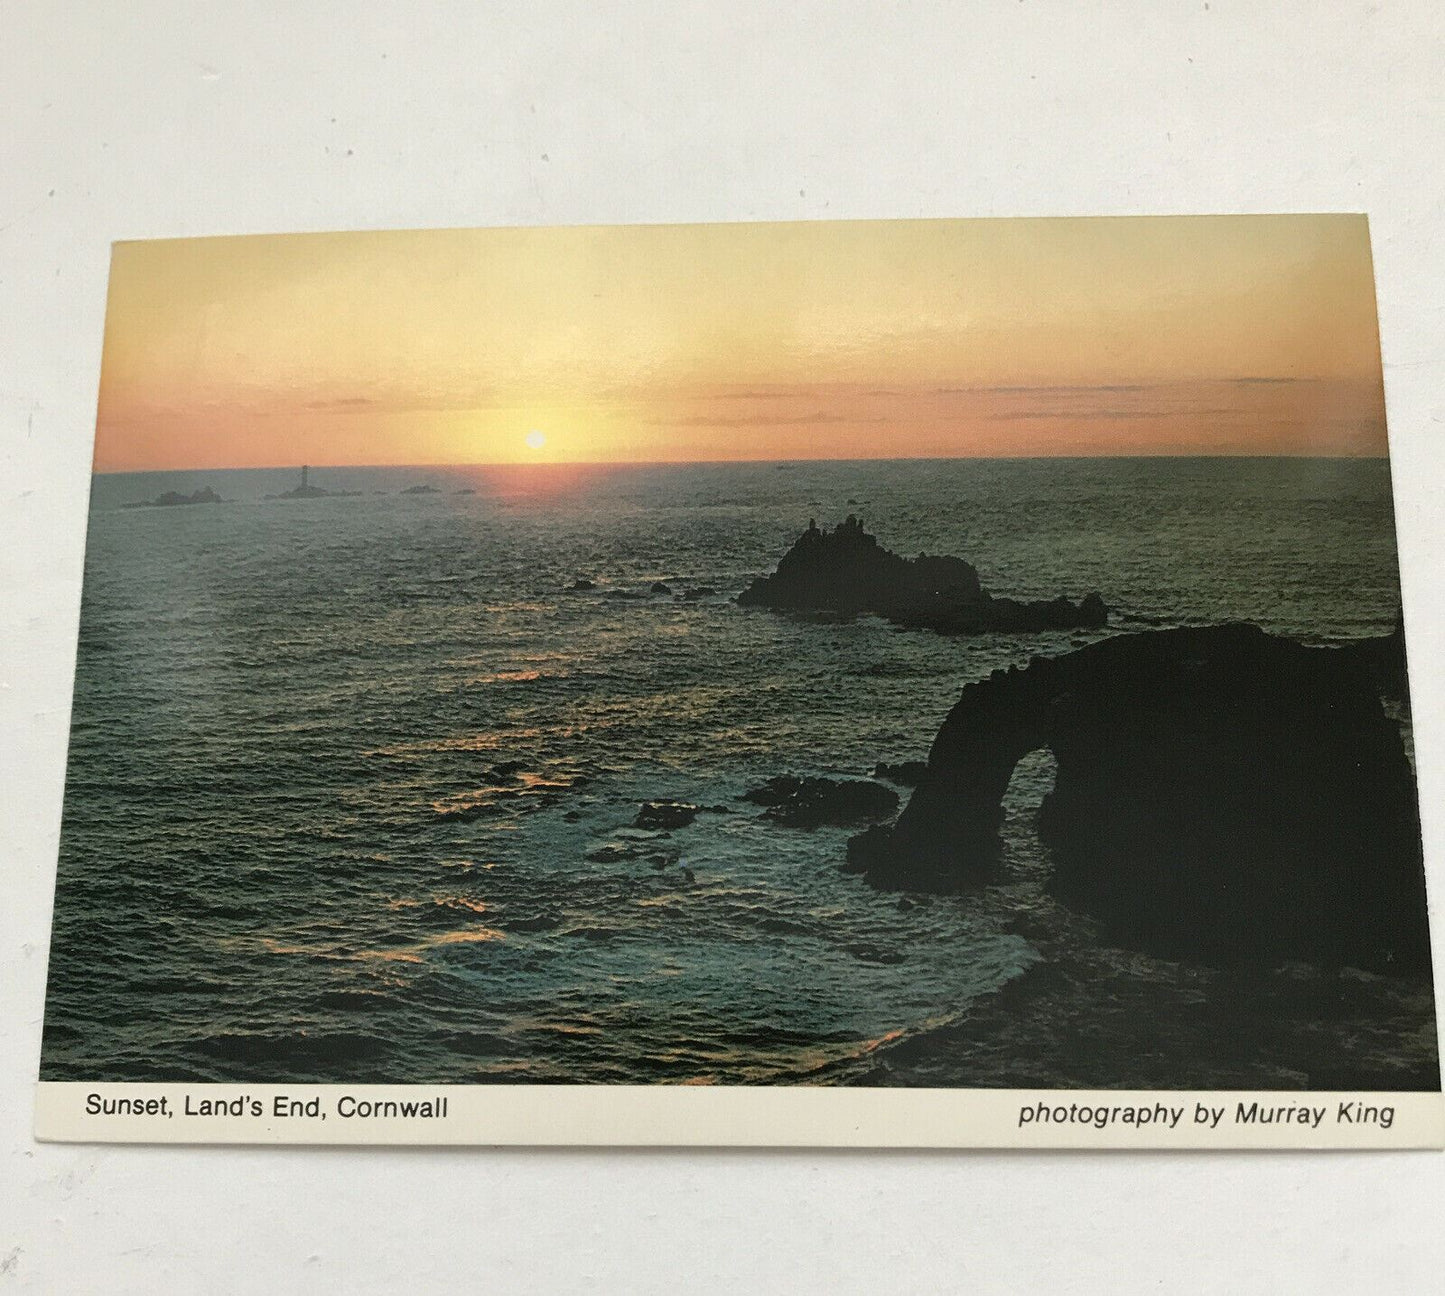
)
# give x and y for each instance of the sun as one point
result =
(535, 440)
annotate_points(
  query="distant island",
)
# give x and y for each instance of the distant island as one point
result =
(307, 491)
(172, 499)
(847, 571)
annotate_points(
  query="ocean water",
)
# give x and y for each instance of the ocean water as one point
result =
(351, 780)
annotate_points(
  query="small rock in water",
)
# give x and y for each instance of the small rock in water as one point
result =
(582, 583)
(661, 587)
(811, 802)
(665, 814)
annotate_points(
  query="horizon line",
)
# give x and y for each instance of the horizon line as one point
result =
(707, 463)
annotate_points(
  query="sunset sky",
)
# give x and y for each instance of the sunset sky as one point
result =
(859, 339)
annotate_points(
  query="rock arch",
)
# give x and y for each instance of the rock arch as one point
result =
(1220, 794)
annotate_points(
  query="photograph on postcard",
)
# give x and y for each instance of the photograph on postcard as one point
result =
(952, 655)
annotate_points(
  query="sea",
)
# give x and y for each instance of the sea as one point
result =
(353, 780)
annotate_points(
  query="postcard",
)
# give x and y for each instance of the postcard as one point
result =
(892, 683)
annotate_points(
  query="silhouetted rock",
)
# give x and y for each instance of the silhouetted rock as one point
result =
(315, 492)
(665, 814)
(661, 587)
(420, 490)
(1382, 659)
(847, 571)
(1221, 795)
(691, 595)
(810, 802)
(171, 499)
(906, 773)
(581, 584)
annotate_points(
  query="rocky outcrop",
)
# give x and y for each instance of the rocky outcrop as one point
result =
(847, 571)
(811, 802)
(171, 499)
(665, 814)
(1221, 794)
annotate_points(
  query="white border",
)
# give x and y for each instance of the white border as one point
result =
(765, 1116)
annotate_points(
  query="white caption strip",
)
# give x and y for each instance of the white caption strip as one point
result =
(666, 1115)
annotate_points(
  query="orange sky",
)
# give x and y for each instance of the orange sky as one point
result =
(857, 339)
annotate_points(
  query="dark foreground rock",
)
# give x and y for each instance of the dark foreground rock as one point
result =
(812, 802)
(1104, 1026)
(1221, 795)
(847, 571)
